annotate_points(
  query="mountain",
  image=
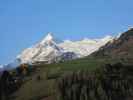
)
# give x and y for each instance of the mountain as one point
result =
(49, 51)
(121, 47)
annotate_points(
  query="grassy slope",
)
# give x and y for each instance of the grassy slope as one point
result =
(45, 89)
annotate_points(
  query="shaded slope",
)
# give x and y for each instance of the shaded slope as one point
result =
(121, 48)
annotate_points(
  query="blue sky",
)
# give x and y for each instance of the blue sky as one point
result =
(24, 22)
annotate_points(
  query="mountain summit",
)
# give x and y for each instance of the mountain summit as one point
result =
(47, 51)
(48, 39)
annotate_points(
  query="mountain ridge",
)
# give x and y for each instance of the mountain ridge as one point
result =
(48, 50)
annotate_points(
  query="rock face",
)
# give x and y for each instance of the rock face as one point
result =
(121, 47)
(49, 51)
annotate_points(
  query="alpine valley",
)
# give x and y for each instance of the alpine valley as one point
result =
(89, 69)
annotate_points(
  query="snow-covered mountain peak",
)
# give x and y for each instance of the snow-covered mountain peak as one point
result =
(48, 39)
(46, 50)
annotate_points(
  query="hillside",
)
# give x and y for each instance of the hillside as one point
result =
(45, 82)
(121, 48)
(46, 88)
